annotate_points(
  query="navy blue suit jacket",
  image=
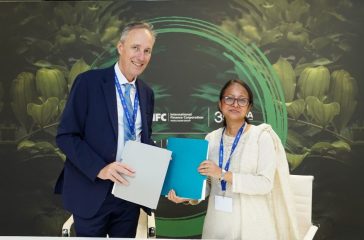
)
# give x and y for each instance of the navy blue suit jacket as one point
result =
(87, 134)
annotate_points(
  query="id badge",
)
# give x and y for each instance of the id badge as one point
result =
(224, 204)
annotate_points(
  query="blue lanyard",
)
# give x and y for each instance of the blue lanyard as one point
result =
(131, 121)
(221, 152)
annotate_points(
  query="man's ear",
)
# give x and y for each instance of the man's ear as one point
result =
(120, 47)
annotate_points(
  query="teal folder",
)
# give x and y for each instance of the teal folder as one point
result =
(182, 174)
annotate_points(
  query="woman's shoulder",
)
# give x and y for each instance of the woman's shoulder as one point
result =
(214, 134)
(263, 127)
(260, 130)
(265, 132)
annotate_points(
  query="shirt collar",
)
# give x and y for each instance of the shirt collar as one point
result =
(122, 79)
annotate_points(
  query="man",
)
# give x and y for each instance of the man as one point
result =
(105, 108)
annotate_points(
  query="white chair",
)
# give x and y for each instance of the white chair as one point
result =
(301, 187)
(146, 226)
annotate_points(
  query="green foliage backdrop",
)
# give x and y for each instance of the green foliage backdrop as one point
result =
(314, 49)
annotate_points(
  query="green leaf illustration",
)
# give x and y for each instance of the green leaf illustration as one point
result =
(295, 108)
(321, 113)
(295, 160)
(43, 114)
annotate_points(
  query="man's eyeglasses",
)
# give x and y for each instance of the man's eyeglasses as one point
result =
(242, 102)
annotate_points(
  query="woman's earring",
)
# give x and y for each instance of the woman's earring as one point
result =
(250, 116)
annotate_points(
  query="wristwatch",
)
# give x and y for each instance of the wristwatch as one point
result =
(222, 175)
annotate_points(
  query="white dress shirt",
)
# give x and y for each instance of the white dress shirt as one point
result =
(138, 123)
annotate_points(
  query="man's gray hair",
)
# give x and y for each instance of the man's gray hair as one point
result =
(137, 25)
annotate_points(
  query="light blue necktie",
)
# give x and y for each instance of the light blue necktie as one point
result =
(127, 131)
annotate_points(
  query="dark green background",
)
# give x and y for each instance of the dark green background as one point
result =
(181, 64)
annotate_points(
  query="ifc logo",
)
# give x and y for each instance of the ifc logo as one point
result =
(160, 117)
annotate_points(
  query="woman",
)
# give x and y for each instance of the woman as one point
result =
(248, 175)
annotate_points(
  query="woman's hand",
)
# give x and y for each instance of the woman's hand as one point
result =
(209, 168)
(173, 197)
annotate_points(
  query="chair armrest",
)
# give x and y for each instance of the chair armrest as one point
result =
(151, 226)
(66, 228)
(311, 233)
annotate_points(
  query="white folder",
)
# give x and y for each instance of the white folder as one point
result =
(150, 164)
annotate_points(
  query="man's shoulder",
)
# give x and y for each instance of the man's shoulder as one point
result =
(96, 75)
(97, 72)
(141, 83)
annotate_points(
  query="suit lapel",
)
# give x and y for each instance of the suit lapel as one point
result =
(110, 98)
(143, 105)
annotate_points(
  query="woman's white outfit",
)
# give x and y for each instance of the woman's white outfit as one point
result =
(262, 203)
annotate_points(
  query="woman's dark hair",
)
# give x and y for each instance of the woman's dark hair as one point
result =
(244, 85)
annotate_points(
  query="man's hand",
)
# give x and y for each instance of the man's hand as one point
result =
(113, 172)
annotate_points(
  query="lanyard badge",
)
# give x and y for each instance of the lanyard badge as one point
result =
(131, 119)
(221, 152)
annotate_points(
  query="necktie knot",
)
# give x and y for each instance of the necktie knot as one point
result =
(127, 86)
